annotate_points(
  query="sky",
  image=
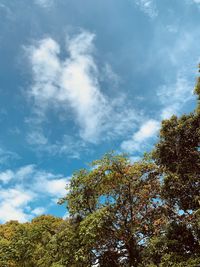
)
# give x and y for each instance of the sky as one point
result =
(82, 78)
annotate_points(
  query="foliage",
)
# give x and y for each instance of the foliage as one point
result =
(178, 154)
(119, 207)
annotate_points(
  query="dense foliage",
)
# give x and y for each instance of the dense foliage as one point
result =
(121, 213)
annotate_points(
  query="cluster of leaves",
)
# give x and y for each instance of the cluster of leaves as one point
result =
(26, 245)
(143, 214)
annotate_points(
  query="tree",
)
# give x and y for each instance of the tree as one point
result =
(17, 247)
(178, 154)
(62, 248)
(177, 245)
(119, 208)
(25, 245)
(42, 230)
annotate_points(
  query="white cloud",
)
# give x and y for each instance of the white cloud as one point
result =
(110, 75)
(24, 172)
(6, 176)
(50, 184)
(37, 138)
(6, 11)
(55, 187)
(182, 54)
(46, 70)
(6, 156)
(20, 174)
(44, 3)
(18, 198)
(68, 145)
(196, 1)
(80, 86)
(174, 96)
(13, 202)
(138, 140)
(172, 28)
(72, 85)
(38, 211)
(72, 82)
(148, 7)
(147, 130)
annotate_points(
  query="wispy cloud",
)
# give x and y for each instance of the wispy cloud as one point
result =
(139, 140)
(24, 187)
(72, 83)
(44, 3)
(173, 96)
(36, 137)
(196, 1)
(6, 11)
(109, 75)
(67, 145)
(6, 176)
(23, 172)
(6, 156)
(148, 7)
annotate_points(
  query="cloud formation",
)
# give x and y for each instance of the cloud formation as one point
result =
(139, 139)
(174, 95)
(71, 84)
(196, 1)
(24, 187)
(148, 7)
(44, 3)
(7, 156)
(13, 203)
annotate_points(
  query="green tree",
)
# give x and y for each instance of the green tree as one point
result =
(118, 207)
(25, 245)
(62, 248)
(43, 228)
(177, 245)
(178, 154)
(17, 247)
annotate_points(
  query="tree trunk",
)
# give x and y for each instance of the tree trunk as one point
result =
(133, 253)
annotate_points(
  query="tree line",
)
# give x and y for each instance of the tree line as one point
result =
(141, 214)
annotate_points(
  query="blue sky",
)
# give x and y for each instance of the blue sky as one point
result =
(81, 78)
